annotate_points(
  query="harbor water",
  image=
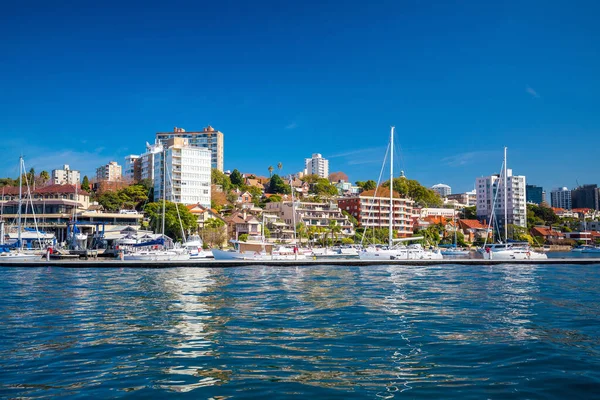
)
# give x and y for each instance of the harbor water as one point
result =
(426, 332)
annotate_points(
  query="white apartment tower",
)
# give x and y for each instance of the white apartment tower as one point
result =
(316, 165)
(490, 191)
(561, 198)
(187, 176)
(442, 190)
(110, 172)
(208, 138)
(65, 176)
(129, 171)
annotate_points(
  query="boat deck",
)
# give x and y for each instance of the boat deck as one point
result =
(211, 263)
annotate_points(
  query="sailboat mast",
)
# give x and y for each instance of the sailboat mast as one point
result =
(164, 192)
(505, 200)
(391, 229)
(293, 208)
(20, 199)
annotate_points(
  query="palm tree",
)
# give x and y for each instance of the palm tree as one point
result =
(334, 228)
(279, 166)
(270, 171)
(301, 231)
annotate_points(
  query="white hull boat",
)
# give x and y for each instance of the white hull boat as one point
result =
(413, 252)
(18, 256)
(253, 255)
(156, 255)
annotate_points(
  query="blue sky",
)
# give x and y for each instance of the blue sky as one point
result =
(85, 83)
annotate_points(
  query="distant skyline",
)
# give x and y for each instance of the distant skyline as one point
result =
(86, 83)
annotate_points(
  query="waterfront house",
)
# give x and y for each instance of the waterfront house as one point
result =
(473, 229)
(241, 222)
(548, 234)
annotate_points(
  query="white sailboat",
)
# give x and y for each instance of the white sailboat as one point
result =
(19, 255)
(508, 251)
(397, 252)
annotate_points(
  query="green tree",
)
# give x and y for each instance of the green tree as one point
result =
(133, 197)
(214, 232)
(469, 212)
(414, 190)
(351, 218)
(367, 185)
(270, 170)
(279, 167)
(173, 213)
(243, 237)
(301, 231)
(236, 178)
(334, 229)
(310, 179)
(324, 188)
(219, 178)
(274, 199)
(44, 177)
(111, 201)
(85, 184)
(277, 185)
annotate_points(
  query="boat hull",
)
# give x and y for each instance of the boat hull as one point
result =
(234, 255)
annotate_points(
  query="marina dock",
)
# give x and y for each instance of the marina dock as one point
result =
(211, 263)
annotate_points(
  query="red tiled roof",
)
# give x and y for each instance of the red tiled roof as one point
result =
(581, 210)
(12, 190)
(545, 232)
(471, 224)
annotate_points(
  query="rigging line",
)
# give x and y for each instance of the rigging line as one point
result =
(37, 231)
(493, 212)
(176, 207)
(375, 193)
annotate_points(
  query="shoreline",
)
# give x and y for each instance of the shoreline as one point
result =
(282, 263)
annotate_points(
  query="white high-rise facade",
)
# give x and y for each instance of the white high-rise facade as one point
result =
(316, 165)
(65, 176)
(442, 190)
(561, 198)
(490, 188)
(187, 173)
(129, 172)
(147, 161)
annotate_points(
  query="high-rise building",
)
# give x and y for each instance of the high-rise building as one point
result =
(110, 172)
(442, 190)
(208, 138)
(372, 210)
(188, 171)
(316, 165)
(534, 194)
(561, 198)
(468, 198)
(65, 176)
(586, 196)
(146, 161)
(490, 198)
(132, 168)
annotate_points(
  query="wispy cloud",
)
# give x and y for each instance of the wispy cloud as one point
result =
(51, 158)
(532, 92)
(462, 159)
(292, 125)
(365, 161)
(357, 152)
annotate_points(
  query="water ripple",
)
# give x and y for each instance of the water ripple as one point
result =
(525, 331)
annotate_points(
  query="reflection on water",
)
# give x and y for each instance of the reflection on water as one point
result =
(379, 332)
